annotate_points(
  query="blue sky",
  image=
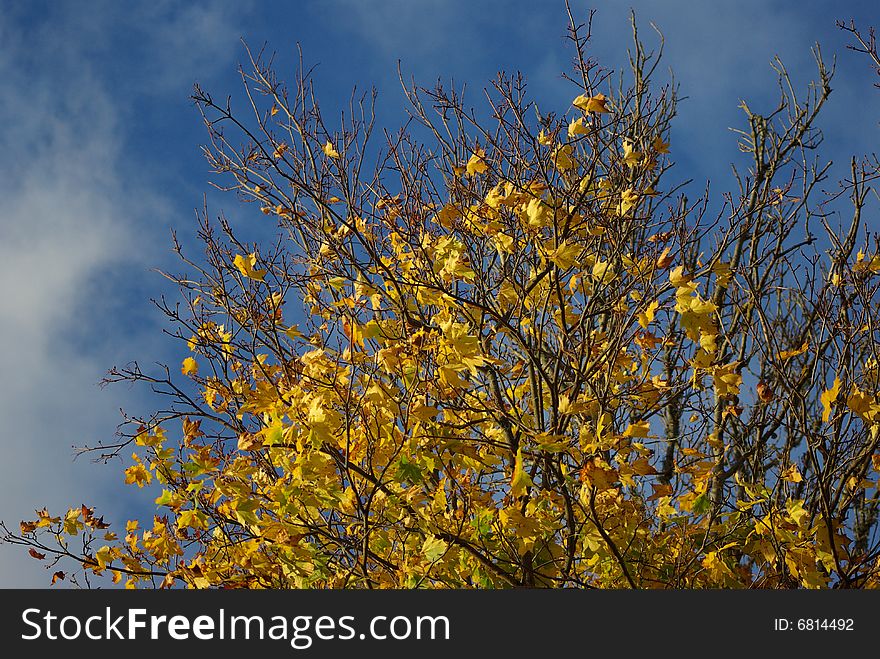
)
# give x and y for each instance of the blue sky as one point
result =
(99, 159)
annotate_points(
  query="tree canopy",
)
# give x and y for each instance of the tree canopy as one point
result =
(500, 348)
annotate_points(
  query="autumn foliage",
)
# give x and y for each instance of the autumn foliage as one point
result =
(501, 348)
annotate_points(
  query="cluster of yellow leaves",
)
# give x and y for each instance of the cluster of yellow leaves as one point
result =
(865, 405)
(864, 264)
(410, 428)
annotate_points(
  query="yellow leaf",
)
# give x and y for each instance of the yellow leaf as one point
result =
(245, 265)
(659, 145)
(862, 264)
(795, 509)
(700, 306)
(791, 474)
(503, 242)
(329, 151)
(577, 127)
(447, 215)
(599, 474)
(597, 104)
(603, 271)
(664, 260)
(585, 183)
(249, 442)
(722, 272)
(550, 442)
(498, 195)
(565, 255)
(604, 423)
(425, 412)
(433, 548)
(538, 213)
(638, 429)
(630, 156)
(727, 380)
(643, 467)
(628, 199)
(677, 277)
(144, 438)
(862, 403)
(647, 316)
(854, 483)
(708, 342)
(192, 518)
(562, 157)
(104, 556)
(785, 354)
(520, 482)
(507, 295)
(827, 399)
(189, 366)
(477, 163)
(138, 474)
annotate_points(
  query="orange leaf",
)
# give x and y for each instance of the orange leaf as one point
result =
(765, 393)
(660, 491)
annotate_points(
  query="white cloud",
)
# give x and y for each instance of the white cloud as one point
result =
(77, 229)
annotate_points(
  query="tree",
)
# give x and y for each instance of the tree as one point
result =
(510, 351)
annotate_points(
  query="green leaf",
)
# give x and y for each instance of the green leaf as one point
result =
(166, 498)
(408, 471)
(433, 548)
(701, 504)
